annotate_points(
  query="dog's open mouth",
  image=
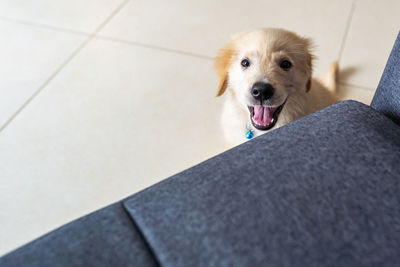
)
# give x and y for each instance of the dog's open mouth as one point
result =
(264, 118)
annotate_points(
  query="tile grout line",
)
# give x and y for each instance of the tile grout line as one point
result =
(58, 70)
(357, 86)
(348, 24)
(118, 40)
(45, 26)
(155, 47)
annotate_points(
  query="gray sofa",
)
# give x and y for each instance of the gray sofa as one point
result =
(321, 191)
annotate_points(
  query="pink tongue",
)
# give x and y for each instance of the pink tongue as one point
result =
(263, 116)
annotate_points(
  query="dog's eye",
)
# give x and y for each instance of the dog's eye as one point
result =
(245, 63)
(285, 64)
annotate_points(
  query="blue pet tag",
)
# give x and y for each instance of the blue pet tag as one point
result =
(249, 135)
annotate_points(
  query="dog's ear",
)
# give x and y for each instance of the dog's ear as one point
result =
(222, 63)
(309, 62)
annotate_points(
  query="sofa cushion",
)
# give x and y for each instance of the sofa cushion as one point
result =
(321, 191)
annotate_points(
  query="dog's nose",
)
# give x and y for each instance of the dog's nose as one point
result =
(262, 91)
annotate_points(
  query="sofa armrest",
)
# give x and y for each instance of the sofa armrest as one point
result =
(321, 191)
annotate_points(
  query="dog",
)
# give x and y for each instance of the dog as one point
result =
(266, 76)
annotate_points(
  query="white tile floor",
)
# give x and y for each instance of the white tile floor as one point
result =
(102, 98)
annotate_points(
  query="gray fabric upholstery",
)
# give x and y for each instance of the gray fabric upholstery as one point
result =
(322, 191)
(387, 96)
(107, 237)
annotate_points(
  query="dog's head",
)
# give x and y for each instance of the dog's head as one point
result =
(261, 69)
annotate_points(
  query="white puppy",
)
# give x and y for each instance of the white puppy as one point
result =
(266, 75)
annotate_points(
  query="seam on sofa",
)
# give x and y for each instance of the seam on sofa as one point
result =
(139, 230)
